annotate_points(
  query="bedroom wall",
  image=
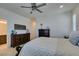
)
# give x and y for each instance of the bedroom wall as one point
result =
(59, 24)
(33, 27)
(3, 28)
(12, 18)
(76, 12)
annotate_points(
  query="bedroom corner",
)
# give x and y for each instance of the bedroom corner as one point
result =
(33, 27)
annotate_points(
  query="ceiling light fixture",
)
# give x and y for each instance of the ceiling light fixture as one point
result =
(61, 6)
(4, 22)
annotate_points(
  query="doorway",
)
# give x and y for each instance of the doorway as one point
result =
(3, 32)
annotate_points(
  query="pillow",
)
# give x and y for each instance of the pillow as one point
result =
(74, 38)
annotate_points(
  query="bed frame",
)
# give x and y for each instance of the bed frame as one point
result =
(18, 49)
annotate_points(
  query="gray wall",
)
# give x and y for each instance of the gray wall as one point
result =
(76, 12)
(59, 24)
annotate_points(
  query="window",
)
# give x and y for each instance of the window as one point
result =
(74, 22)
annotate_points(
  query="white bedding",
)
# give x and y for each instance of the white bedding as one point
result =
(49, 47)
(40, 47)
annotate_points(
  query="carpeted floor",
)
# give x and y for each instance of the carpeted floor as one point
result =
(5, 51)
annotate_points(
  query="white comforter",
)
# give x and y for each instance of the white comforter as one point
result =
(40, 47)
(49, 47)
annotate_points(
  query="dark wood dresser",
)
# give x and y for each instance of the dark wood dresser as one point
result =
(19, 39)
(44, 33)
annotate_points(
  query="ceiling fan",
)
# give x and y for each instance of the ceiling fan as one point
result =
(34, 6)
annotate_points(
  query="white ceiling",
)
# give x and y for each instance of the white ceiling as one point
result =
(52, 8)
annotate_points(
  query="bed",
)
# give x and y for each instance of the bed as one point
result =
(40, 47)
(45, 46)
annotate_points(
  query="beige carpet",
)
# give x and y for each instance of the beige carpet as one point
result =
(66, 48)
(5, 51)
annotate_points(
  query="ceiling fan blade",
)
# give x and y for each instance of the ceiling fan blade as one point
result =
(39, 10)
(25, 7)
(33, 4)
(41, 5)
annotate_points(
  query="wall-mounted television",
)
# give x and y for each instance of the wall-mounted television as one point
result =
(19, 27)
